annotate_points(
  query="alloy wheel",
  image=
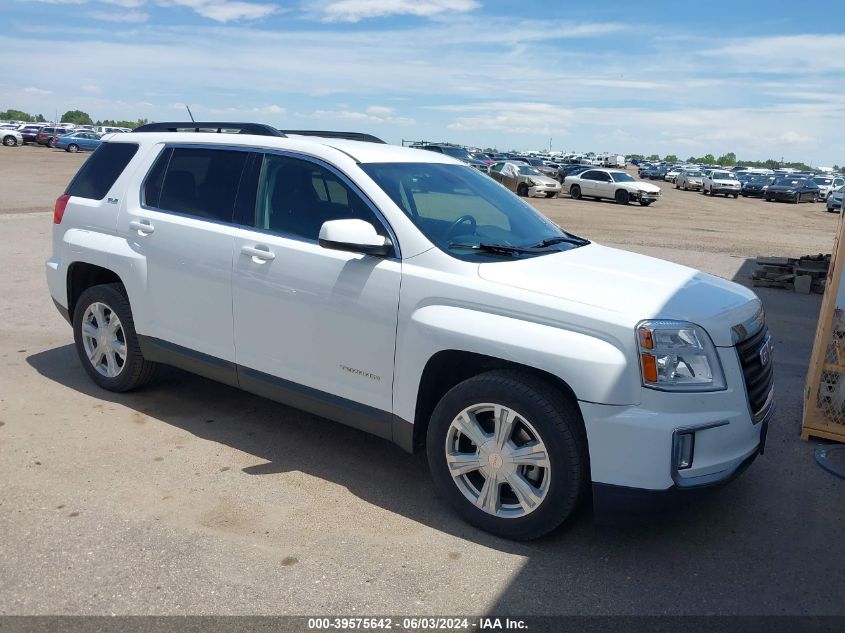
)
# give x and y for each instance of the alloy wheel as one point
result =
(498, 460)
(104, 340)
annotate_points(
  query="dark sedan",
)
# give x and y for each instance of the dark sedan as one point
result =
(756, 185)
(571, 170)
(29, 132)
(791, 189)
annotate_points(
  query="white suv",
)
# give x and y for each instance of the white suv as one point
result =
(406, 294)
(717, 181)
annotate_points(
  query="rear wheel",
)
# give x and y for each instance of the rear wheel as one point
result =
(575, 192)
(508, 451)
(73, 148)
(106, 342)
(622, 197)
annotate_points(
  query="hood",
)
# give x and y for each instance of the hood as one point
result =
(634, 286)
(783, 187)
(544, 179)
(726, 181)
(644, 186)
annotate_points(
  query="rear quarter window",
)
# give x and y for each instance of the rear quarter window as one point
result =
(101, 170)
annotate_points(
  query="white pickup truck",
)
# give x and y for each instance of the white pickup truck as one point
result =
(407, 294)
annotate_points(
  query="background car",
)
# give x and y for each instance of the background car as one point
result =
(77, 141)
(672, 173)
(524, 179)
(30, 131)
(756, 185)
(827, 184)
(11, 137)
(689, 179)
(612, 184)
(720, 181)
(455, 151)
(541, 166)
(792, 189)
(570, 170)
(834, 200)
(46, 135)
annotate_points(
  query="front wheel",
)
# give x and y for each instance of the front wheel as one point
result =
(551, 194)
(508, 451)
(50, 143)
(703, 191)
(522, 189)
(645, 203)
(736, 196)
(10, 141)
(106, 342)
(575, 192)
(622, 197)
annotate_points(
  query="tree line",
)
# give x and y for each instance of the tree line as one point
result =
(77, 117)
(728, 160)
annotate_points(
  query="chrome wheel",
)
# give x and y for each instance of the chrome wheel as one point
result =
(104, 340)
(498, 460)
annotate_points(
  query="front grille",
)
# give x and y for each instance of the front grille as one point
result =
(758, 377)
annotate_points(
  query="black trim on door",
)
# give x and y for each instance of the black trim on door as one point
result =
(360, 416)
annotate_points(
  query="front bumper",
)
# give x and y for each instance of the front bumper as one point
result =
(542, 190)
(633, 446)
(780, 196)
(716, 189)
(645, 195)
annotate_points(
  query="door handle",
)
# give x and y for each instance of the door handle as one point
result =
(143, 226)
(259, 252)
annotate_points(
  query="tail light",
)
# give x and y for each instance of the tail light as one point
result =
(59, 210)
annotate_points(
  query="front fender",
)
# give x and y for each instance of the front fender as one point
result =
(595, 369)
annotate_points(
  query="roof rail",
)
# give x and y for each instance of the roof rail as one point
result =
(220, 127)
(349, 136)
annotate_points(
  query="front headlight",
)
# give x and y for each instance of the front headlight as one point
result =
(678, 356)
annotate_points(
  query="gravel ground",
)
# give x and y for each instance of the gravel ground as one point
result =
(193, 498)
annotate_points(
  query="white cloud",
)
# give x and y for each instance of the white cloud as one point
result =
(126, 17)
(37, 91)
(357, 10)
(371, 114)
(779, 53)
(225, 10)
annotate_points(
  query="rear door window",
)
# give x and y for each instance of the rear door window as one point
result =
(201, 182)
(101, 170)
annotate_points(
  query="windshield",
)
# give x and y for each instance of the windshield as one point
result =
(788, 182)
(694, 174)
(823, 181)
(457, 152)
(453, 204)
(528, 170)
(723, 175)
(621, 176)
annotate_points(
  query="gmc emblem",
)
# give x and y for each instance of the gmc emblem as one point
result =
(766, 351)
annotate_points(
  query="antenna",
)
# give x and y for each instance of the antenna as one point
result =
(189, 113)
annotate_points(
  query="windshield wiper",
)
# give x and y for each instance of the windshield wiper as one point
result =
(504, 249)
(568, 239)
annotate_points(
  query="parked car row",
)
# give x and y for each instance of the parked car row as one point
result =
(84, 137)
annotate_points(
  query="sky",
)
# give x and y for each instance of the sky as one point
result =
(763, 80)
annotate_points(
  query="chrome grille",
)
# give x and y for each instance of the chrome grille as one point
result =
(755, 358)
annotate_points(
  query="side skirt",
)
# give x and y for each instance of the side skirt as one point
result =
(375, 421)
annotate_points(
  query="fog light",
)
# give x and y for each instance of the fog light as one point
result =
(684, 447)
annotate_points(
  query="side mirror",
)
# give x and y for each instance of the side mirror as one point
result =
(356, 236)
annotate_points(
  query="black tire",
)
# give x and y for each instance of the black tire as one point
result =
(50, 143)
(575, 192)
(796, 199)
(10, 141)
(72, 148)
(645, 203)
(550, 194)
(558, 422)
(522, 189)
(136, 371)
(703, 191)
(621, 196)
(736, 195)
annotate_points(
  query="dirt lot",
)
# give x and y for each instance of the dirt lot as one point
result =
(192, 497)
